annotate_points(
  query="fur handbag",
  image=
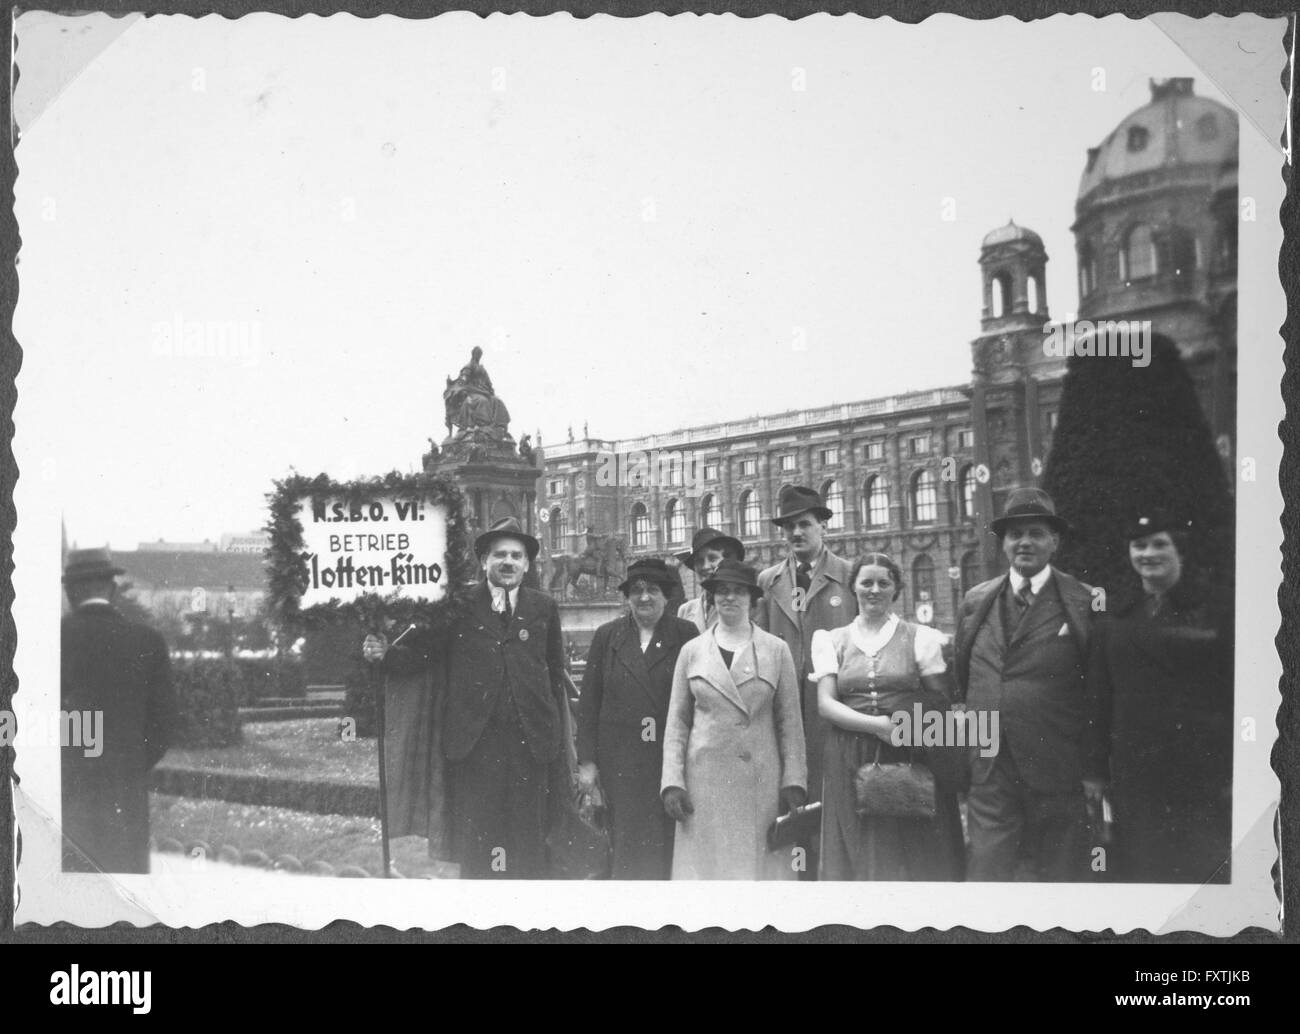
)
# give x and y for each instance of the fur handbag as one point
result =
(896, 789)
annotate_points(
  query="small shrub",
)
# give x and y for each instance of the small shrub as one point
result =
(207, 702)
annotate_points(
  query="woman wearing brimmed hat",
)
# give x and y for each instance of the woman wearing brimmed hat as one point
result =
(708, 549)
(734, 745)
(621, 719)
(1161, 680)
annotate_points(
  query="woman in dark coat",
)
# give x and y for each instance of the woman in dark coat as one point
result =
(1161, 684)
(621, 716)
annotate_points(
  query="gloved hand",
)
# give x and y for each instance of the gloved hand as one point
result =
(793, 797)
(374, 648)
(587, 776)
(677, 802)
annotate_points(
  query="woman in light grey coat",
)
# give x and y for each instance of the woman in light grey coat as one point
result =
(734, 743)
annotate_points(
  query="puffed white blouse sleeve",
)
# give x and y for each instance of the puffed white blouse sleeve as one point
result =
(929, 650)
(825, 658)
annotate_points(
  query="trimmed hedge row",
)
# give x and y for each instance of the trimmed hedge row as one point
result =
(321, 798)
(288, 714)
(271, 677)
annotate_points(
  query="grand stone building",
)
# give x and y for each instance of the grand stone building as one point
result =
(920, 475)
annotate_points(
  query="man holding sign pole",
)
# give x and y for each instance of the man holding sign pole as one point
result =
(502, 676)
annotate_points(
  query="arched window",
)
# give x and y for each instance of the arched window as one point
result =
(749, 516)
(833, 497)
(1087, 269)
(640, 525)
(1001, 288)
(925, 497)
(710, 512)
(966, 492)
(972, 571)
(559, 530)
(1035, 292)
(875, 495)
(1137, 259)
(923, 580)
(1177, 251)
(675, 522)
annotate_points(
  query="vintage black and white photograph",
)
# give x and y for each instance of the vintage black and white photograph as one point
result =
(571, 473)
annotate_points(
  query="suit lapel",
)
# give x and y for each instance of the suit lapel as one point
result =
(980, 614)
(627, 648)
(782, 591)
(709, 666)
(483, 612)
(821, 576)
(1041, 611)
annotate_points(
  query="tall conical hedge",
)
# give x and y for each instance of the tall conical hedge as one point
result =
(1129, 440)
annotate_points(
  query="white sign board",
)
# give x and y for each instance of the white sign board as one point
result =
(388, 546)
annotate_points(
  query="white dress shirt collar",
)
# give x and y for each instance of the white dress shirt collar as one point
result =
(499, 599)
(1036, 583)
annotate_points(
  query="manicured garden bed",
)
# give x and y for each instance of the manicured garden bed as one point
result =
(338, 840)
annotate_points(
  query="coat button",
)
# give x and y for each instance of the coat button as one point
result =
(745, 755)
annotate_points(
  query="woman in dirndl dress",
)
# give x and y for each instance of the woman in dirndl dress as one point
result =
(865, 672)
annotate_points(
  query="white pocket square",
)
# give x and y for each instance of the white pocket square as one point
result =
(1065, 629)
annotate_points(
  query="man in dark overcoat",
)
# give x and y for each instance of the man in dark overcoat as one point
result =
(500, 676)
(1022, 648)
(807, 592)
(116, 679)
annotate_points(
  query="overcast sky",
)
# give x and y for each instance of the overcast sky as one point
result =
(638, 220)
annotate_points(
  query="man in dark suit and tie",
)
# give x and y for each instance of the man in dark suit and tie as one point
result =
(1022, 644)
(115, 678)
(501, 676)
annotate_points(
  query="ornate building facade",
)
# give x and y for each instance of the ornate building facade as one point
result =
(921, 475)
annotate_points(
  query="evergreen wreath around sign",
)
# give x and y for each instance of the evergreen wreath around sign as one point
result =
(287, 571)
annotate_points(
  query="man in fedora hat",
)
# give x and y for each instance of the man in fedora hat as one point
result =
(500, 671)
(117, 674)
(708, 549)
(806, 592)
(1021, 651)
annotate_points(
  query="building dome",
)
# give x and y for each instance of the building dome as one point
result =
(1176, 128)
(1011, 232)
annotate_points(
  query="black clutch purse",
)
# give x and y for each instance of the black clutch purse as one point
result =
(802, 824)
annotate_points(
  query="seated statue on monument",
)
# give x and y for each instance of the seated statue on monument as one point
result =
(473, 408)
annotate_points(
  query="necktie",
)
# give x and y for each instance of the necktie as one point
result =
(803, 575)
(506, 613)
(1024, 599)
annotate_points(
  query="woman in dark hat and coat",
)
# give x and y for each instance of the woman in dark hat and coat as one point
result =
(708, 549)
(1160, 679)
(621, 719)
(734, 746)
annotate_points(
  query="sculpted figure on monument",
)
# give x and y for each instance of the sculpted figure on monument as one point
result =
(473, 407)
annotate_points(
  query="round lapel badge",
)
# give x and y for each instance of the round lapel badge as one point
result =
(523, 635)
(836, 601)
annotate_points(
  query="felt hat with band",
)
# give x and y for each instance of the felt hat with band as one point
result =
(1029, 504)
(794, 500)
(85, 564)
(648, 569)
(506, 528)
(706, 537)
(733, 572)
